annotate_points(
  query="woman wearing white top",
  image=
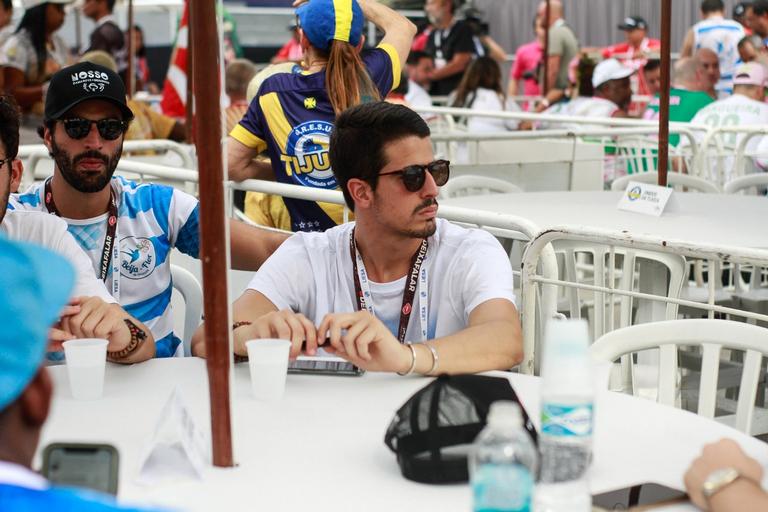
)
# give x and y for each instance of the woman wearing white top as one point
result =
(480, 90)
(34, 52)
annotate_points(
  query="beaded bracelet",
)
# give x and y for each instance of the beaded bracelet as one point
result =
(137, 336)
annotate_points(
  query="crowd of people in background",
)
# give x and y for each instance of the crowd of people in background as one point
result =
(452, 61)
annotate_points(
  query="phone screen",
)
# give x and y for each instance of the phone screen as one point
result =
(80, 465)
(637, 495)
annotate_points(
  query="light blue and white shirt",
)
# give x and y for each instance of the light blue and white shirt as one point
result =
(152, 220)
(722, 37)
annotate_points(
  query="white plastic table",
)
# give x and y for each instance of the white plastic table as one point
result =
(321, 447)
(721, 219)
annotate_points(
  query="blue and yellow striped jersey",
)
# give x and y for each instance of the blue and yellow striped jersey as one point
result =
(292, 118)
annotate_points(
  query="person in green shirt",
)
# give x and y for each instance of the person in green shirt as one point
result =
(686, 97)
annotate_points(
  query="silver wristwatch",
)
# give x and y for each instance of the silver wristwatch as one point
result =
(718, 480)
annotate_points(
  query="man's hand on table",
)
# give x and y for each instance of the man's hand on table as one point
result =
(92, 317)
(367, 343)
(360, 338)
(285, 325)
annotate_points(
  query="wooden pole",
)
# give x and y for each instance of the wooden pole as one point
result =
(545, 88)
(189, 108)
(131, 73)
(213, 240)
(666, 30)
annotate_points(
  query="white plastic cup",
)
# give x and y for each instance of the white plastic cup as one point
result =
(268, 363)
(86, 359)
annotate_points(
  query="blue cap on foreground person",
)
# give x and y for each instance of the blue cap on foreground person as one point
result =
(36, 285)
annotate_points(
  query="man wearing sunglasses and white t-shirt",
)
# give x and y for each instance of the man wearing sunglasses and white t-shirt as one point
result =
(128, 229)
(398, 290)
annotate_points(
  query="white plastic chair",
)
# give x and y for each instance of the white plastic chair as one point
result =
(697, 290)
(749, 184)
(676, 179)
(751, 294)
(712, 336)
(626, 277)
(637, 154)
(192, 293)
(461, 186)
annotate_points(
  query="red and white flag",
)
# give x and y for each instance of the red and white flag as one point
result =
(175, 87)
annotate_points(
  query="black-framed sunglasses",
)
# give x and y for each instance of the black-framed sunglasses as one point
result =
(109, 128)
(8, 161)
(414, 176)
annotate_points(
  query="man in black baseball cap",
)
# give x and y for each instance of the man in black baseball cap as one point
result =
(633, 23)
(127, 229)
(634, 52)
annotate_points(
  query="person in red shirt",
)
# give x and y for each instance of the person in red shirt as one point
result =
(525, 67)
(291, 51)
(635, 51)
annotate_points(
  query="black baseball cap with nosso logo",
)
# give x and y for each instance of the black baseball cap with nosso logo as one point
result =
(84, 81)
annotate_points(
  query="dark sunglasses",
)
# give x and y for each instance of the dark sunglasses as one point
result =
(4, 161)
(414, 176)
(109, 128)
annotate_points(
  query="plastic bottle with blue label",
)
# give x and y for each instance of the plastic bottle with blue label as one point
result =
(567, 403)
(503, 463)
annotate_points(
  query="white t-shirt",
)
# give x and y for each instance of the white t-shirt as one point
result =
(18, 52)
(722, 37)
(582, 106)
(418, 97)
(736, 110)
(51, 232)
(312, 273)
(489, 100)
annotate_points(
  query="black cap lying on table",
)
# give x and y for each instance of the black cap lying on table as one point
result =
(72, 85)
(431, 434)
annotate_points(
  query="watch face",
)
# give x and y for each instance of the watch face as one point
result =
(719, 479)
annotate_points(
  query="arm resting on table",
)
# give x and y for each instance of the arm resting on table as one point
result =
(492, 341)
(249, 307)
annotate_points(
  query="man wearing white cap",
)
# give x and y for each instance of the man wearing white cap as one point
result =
(611, 97)
(745, 108)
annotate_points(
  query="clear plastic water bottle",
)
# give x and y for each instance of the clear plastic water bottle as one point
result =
(567, 400)
(503, 462)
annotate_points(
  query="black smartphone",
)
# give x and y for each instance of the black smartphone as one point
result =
(92, 466)
(324, 365)
(638, 495)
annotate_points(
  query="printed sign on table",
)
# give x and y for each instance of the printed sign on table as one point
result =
(645, 198)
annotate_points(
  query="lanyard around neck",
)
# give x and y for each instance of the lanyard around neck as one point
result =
(110, 246)
(416, 276)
